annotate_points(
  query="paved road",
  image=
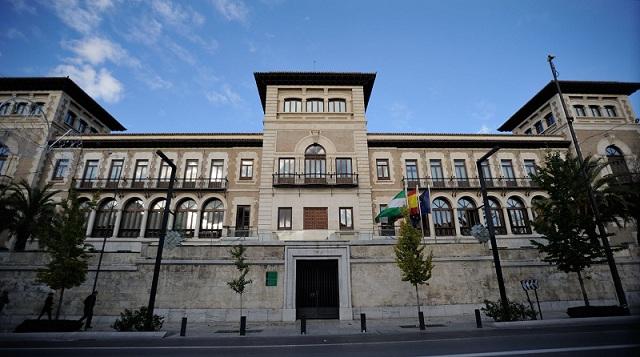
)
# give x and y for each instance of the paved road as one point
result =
(618, 340)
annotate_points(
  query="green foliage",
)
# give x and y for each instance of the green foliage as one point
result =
(239, 284)
(409, 250)
(27, 211)
(517, 311)
(135, 321)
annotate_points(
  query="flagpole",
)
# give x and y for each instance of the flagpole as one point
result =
(430, 207)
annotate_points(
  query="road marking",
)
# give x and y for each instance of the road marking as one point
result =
(544, 350)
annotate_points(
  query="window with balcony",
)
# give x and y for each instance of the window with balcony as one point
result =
(70, 119)
(337, 105)
(105, 219)
(443, 217)
(90, 173)
(539, 127)
(437, 175)
(216, 176)
(60, 170)
(190, 174)
(530, 168)
(595, 111)
(508, 174)
(344, 171)
(382, 169)
(292, 105)
(518, 216)
(154, 218)
(579, 109)
(82, 126)
(212, 219)
(246, 169)
(186, 217)
(467, 215)
(315, 164)
(462, 179)
(346, 218)
(284, 218)
(486, 173)
(549, 119)
(315, 105)
(610, 110)
(411, 172)
(165, 175)
(115, 173)
(131, 219)
(140, 173)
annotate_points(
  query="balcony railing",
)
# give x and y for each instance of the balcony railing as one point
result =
(224, 232)
(453, 183)
(315, 180)
(213, 184)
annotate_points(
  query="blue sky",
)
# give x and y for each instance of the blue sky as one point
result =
(448, 66)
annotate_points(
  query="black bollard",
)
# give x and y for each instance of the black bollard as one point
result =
(303, 326)
(478, 319)
(363, 323)
(183, 327)
(243, 325)
(421, 318)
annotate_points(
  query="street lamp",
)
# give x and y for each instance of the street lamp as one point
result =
(492, 232)
(622, 298)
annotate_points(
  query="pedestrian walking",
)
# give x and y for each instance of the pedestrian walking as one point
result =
(48, 306)
(4, 300)
(89, 303)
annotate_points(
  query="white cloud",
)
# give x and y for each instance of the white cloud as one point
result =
(146, 30)
(96, 50)
(232, 10)
(181, 52)
(99, 84)
(484, 129)
(225, 96)
(22, 6)
(176, 14)
(83, 17)
(14, 34)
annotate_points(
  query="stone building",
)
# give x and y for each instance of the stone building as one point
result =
(302, 196)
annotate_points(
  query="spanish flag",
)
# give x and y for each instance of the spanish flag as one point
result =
(412, 199)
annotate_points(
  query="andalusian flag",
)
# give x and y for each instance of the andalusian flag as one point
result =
(394, 208)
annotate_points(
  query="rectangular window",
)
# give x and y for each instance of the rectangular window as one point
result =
(246, 169)
(337, 106)
(37, 108)
(70, 118)
(461, 173)
(549, 119)
(437, 175)
(486, 173)
(115, 171)
(284, 218)
(595, 111)
(530, 167)
(60, 170)
(508, 173)
(528, 132)
(82, 126)
(20, 108)
(140, 173)
(343, 167)
(292, 105)
(190, 173)
(90, 173)
(382, 169)
(411, 168)
(386, 228)
(579, 110)
(315, 105)
(539, 127)
(611, 111)
(165, 175)
(286, 167)
(346, 218)
(315, 218)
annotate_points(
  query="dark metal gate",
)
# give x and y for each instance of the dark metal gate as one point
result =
(317, 289)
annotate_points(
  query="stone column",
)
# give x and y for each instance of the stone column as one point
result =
(90, 222)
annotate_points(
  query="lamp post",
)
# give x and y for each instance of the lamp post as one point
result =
(492, 231)
(104, 243)
(622, 298)
(163, 233)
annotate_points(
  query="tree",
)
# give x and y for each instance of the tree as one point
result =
(30, 211)
(67, 267)
(239, 284)
(566, 219)
(416, 269)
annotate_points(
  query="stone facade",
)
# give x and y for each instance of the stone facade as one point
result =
(314, 153)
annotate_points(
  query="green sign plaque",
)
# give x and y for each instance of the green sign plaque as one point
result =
(272, 278)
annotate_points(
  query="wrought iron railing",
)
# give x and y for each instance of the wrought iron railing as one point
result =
(316, 179)
(202, 183)
(453, 183)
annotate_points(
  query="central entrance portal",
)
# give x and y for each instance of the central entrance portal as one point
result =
(317, 289)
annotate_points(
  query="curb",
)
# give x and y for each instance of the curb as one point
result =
(567, 321)
(75, 336)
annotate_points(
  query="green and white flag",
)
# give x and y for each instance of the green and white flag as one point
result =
(394, 208)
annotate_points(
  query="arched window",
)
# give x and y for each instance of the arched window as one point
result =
(616, 162)
(315, 164)
(105, 219)
(292, 105)
(4, 158)
(186, 214)
(5, 109)
(497, 216)
(212, 219)
(315, 105)
(337, 105)
(154, 219)
(518, 216)
(85, 207)
(131, 220)
(443, 218)
(467, 215)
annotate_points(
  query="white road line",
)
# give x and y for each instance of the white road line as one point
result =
(544, 350)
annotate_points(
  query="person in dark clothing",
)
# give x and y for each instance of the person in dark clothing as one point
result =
(89, 303)
(48, 306)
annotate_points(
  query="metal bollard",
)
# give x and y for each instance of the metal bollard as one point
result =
(363, 323)
(243, 325)
(478, 319)
(183, 327)
(303, 326)
(421, 318)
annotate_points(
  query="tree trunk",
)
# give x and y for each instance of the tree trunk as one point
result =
(59, 303)
(240, 305)
(584, 292)
(417, 299)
